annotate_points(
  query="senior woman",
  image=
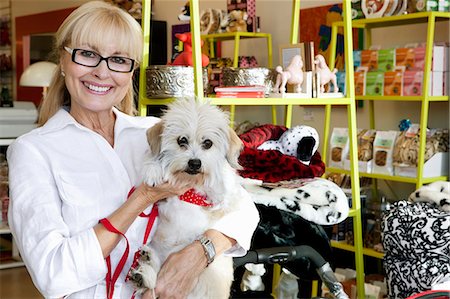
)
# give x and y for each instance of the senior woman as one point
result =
(79, 166)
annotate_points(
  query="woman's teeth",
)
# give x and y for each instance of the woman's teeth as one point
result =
(97, 88)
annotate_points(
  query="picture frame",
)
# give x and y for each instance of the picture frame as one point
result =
(305, 50)
(287, 52)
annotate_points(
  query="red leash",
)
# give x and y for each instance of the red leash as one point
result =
(111, 280)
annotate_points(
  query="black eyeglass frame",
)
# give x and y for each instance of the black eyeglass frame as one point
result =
(74, 51)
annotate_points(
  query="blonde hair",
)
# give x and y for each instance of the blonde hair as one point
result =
(90, 24)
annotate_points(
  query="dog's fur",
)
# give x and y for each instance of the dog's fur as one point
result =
(326, 75)
(292, 74)
(192, 143)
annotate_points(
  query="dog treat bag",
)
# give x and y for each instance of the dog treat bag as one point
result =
(338, 147)
(383, 152)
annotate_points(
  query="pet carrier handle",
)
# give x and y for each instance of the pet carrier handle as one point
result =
(280, 255)
(289, 253)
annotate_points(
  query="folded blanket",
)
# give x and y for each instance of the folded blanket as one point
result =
(272, 165)
(317, 200)
(416, 239)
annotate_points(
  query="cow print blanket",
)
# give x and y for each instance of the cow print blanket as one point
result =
(317, 200)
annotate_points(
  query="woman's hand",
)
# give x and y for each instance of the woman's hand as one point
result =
(151, 194)
(179, 273)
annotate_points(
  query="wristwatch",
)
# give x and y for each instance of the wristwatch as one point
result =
(208, 247)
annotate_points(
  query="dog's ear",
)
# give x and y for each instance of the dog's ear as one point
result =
(234, 150)
(154, 138)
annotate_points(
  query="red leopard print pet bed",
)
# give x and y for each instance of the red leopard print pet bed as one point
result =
(271, 165)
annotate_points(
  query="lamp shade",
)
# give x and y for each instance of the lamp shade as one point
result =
(38, 74)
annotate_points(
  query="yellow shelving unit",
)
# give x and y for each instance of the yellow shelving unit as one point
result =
(430, 19)
(348, 101)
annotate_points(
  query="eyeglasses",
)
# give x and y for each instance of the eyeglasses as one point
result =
(92, 59)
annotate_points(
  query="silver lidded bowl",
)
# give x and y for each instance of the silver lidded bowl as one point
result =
(250, 76)
(167, 81)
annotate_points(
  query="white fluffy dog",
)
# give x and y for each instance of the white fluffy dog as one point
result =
(192, 143)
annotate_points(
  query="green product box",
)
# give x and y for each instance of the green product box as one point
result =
(386, 60)
(374, 83)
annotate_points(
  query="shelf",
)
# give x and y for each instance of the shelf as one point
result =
(406, 19)
(12, 263)
(404, 98)
(4, 229)
(261, 101)
(390, 177)
(348, 247)
(6, 141)
(234, 35)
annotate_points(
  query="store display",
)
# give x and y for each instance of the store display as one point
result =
(299, 141)
(213, 21)
(292, 74)
(166, 81)
(185, 58)
(327, 77)
(259, 76)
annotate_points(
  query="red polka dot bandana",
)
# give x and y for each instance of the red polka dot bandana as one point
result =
(195, 198)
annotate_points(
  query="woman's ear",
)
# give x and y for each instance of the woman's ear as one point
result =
(234, 150)
(154, 138)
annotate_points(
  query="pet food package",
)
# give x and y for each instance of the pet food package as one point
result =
(412, 83)
(374, 83)
(383, 152)
(386, 60)
(393, 83)
(406, 151)
(365, 141)
(338, 147)
(360, 83)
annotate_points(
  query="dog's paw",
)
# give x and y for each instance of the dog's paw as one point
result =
(136, 279)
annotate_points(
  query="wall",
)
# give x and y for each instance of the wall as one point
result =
(276, 19)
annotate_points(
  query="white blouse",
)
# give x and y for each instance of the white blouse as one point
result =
(63, 179)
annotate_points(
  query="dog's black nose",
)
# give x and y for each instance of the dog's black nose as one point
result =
(194, 164)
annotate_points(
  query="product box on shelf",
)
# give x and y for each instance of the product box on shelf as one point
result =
(412, 83)
(356, 58)
(360, 83)
(440, 57)
(338, 147)
(405, 57)
(393, 83)
(386, 59)
(374, 83)
(443, 5)
(383, 150)
(340, 78)
(437, 83)
(419, 59)
(369, 59)
(435, 166)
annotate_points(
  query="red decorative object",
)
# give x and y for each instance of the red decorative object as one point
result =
(271, 165)
(185, 58)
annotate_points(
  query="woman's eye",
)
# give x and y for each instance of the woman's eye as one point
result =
(207, 144)
(182, 141)
(118, 60)
(88, 54)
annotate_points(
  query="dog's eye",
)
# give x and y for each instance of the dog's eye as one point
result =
(182, 141)
(207, 144)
